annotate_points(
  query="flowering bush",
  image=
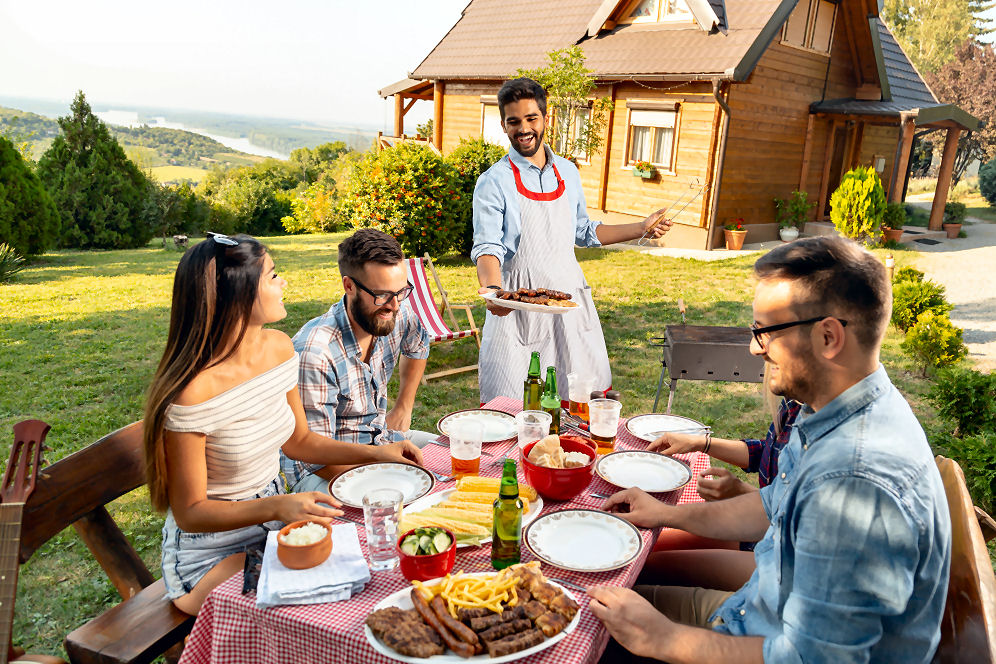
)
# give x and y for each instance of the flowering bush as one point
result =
(471, 158)
(858, 205)
(736, 225)
(643, 166)
(410, 192)
(934, 342)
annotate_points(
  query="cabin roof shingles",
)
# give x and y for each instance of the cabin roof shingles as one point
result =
(494, 38)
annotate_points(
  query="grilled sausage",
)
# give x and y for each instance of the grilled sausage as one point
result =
(429, 616)
(461, 631)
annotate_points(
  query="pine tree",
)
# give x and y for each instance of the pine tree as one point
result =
(29, 221)
(104, 199)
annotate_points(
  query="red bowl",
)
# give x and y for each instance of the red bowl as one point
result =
(427, 567)
(561, 483)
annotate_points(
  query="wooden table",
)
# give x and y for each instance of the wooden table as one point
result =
(231, 630)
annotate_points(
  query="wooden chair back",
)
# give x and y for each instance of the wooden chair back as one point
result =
(968, 627)
(74, 491)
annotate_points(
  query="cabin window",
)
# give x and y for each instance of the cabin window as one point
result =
(651, 138)
(810, 25)
(491, 129)
(580, 126)
(656, 11)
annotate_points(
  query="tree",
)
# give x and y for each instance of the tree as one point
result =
(21, 139)
(104, 199)
(471, 157)
(578, 125)
(969, 82)
(930, 31)
(312, 161)
(29, 221)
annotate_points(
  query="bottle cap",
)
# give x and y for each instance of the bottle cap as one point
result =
(597, 394)
(612, 394)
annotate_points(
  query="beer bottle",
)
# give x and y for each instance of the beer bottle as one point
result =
(532, 389)
(506, 533)
(551, 399)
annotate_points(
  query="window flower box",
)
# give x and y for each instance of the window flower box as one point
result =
(644, 169)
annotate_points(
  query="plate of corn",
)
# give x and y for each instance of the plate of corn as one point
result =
(467, 511)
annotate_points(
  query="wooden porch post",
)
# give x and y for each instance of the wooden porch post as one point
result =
(944, 179)
(437, 115)
(825, 177)
(902, 161)
(399, 115)
(858, 138)
(806, 151)
(603, 183)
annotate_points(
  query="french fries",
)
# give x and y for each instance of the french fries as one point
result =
(464, 591)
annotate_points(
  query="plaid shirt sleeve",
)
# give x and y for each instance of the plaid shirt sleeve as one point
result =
(415, 343)
(755, 448)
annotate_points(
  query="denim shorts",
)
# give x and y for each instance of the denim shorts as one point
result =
(187, 557)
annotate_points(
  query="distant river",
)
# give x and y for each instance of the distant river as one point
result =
(130, 119)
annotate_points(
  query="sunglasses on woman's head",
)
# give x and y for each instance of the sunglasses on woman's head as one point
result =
(221, 238)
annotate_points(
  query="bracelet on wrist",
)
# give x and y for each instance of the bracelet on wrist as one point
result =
(708, 436)
(493, 286)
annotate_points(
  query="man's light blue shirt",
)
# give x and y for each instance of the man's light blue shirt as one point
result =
(497, 218)
(854, 567)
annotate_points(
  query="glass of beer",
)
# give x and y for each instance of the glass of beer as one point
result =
(604, 414)
(579, 389)
(465, 448)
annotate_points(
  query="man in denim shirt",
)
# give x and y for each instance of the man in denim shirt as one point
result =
(854, 560)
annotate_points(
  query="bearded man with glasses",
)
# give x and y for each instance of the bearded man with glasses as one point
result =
(855, 534)
(349, 354)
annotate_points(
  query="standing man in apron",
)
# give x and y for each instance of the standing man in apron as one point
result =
(529, 212)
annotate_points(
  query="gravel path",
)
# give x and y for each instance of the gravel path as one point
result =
(967, 268)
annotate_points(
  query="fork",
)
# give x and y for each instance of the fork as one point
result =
(440, 477)
(568, 584)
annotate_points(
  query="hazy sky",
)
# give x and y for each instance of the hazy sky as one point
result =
(308, 59)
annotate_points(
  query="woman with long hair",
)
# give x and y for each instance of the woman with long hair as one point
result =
(222, 403)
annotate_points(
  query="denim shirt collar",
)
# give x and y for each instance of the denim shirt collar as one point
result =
(523, 163)
(813, 425)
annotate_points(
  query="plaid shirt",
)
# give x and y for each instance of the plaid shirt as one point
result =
(344, 397)
(763, 454)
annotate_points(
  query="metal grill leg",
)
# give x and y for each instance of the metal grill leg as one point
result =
(660, 383)
(670, 396)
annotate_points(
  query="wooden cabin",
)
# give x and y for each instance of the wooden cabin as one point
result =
(745, 100)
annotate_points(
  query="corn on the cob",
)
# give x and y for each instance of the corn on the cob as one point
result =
(472, 516)
(485, 500)
(476, 484)
(461, 529)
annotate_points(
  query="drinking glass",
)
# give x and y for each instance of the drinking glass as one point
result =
(381, 516)
(579, 388)
(532, 425)
(604, 414)
(465, 448)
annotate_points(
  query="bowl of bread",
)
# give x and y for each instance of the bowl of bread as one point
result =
(559, 467)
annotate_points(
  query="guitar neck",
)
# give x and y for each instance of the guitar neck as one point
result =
(10, 548)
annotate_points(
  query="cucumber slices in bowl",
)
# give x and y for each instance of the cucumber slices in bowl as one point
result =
(426, 542)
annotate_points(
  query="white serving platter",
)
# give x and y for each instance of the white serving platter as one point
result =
(425, 502)
(529, 306)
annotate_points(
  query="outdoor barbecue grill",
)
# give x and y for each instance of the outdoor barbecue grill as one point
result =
(706, 352)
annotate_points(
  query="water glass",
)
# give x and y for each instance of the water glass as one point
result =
(465, 448)
(381, 516)
(532, 425)
(604, 414)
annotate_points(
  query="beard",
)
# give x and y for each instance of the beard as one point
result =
(367, 318)
(796, 380)
(537, 143)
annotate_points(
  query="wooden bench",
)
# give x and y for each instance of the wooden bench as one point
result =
(75, 491)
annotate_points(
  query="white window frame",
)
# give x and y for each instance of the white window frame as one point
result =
(490, 131)
(628, 161)
(581, 157)
(662, 14)
(812, 8)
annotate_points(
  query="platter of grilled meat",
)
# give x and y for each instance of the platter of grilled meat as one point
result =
(543, 300)
(411, 626)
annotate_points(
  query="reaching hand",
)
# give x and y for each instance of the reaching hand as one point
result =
(495, 309)
(725, 485)
(308, 505)
(678, 443)
(630, 619)
(655, 231)
(404, 451)
(637, 507)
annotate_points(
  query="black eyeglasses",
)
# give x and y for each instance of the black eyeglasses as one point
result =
(380, 299)
(221, 238)
(758, 331)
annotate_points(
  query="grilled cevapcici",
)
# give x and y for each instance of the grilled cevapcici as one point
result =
(541, 611)
(536, 296)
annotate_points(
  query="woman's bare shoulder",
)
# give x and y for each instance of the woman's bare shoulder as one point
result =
(278, 345)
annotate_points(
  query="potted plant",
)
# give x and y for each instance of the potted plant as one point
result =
(893, 222)
(954, 215)
(735, 232)
(644, 169)
(792, 214)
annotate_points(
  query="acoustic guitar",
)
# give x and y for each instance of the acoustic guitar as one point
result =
(18, 483)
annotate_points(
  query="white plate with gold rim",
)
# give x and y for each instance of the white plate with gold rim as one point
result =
(644, 426)
(498, 425)
(583, 540)
(403, 600)
(650, 471)
(412, 481)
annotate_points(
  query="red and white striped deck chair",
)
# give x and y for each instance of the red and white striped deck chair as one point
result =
(428, 313)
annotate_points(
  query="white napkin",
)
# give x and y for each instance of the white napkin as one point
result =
(344, 573)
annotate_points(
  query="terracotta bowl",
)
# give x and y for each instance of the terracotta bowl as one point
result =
(425, 568)
(307, 555)
(561, 483)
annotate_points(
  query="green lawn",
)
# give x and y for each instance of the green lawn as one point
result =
(81, 333)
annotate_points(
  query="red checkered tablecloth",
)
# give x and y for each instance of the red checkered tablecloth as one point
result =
(231, 630)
